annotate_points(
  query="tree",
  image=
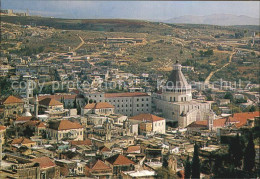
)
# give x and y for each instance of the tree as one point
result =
(236, 152)
(217, 166)
(75, 103)
(90, 101)
(187, 168)
(195, 166)
(56, 75)
(165, 161)
(249, 156)
(149, 59)
(78, 109)
(229, 95)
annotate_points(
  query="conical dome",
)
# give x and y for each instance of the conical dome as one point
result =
(177, 79)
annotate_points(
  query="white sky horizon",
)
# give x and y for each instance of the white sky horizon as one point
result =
(143, 10)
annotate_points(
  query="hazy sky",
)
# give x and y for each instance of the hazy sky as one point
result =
(131, 9)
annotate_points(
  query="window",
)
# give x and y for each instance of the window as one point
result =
(142, 99)
(147, 99)
(147, 105)
(137, 99)
(137, 105)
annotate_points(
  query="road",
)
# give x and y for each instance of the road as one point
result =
(213, 72)
(82, 43)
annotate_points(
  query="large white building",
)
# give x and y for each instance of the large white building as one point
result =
(129, 104)
(149, 123)
(176, 103)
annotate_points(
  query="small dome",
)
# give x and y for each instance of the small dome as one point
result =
(27, 114)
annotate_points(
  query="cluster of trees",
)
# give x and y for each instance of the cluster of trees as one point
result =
(5, 86)
(234, 102)
(207, 53)
(27, 51)
(239, 162)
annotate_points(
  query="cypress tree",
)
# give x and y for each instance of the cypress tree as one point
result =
(187, 168)
(75, 103)
(249, 156)
(165, 161)
(238, 152)
(78, 109)
(217, 166)
(195, 166)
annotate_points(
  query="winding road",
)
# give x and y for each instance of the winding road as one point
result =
(213, 72)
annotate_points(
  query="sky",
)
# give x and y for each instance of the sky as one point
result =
(149, 10)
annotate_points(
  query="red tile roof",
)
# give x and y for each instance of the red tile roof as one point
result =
(100, 105)
(21, 141)
(115, 95)
(198, 124)
(2, 127)
(100, 165)
(240, 119)
(58, 97)
(147, 117)
(24, 118)
(41, 124)
(104, 149)
(119, 159)
(132, 149)
(219, 122)
(45, 162)
(12, 100)
(64, 125)
(50, 102)
(83, 142)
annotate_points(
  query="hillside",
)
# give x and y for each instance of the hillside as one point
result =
(216, 19)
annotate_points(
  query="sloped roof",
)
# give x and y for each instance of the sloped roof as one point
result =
(240, 119)
(219, 122)
(198, 124)
(50, 102)
(100, 105)
(41, 124)
(58, 97)
(147, 117)
(100, 165)
(115, 95)
(64, 125)
(83, 142)
(22, 140)
(2, 127)
(119, 159)
(177, 79)
(12, 99)
(45, 162)
(104, 149)
(133, 148)
(24, 118)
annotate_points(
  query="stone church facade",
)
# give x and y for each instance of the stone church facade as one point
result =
(176, 103)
